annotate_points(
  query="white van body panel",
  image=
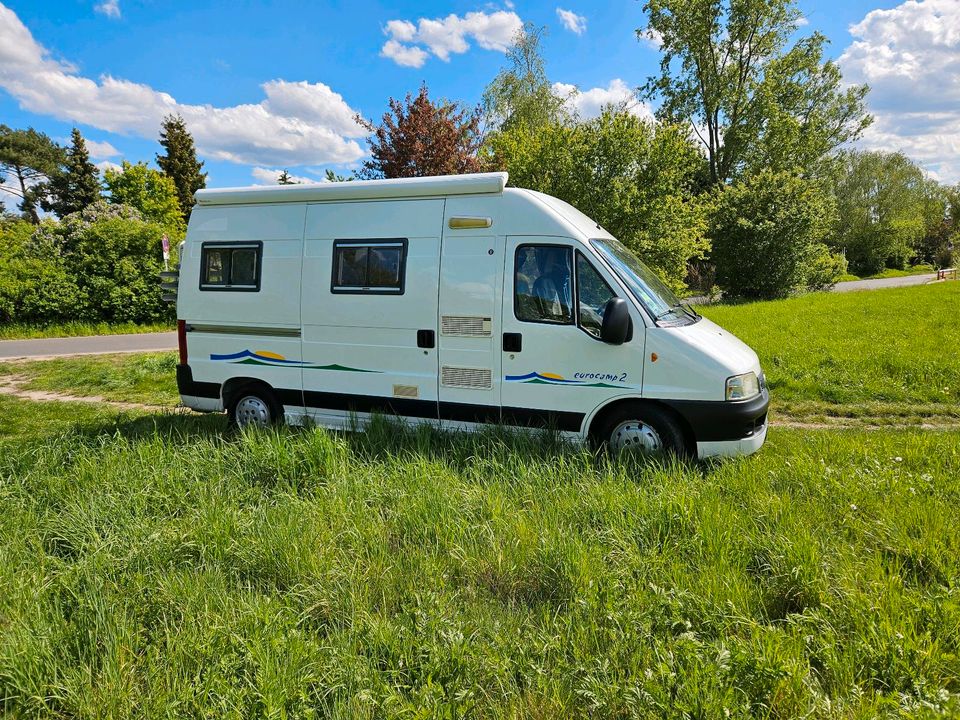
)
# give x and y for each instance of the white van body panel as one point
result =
(439, 347)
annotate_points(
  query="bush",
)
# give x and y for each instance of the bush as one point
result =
(97, 264)
(768, 234)
(31, 288)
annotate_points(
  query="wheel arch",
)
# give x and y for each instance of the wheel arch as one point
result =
(231, 388)
(600, 414)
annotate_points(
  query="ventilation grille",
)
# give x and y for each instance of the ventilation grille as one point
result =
(406, 391)
(474, 378)
(466, 325)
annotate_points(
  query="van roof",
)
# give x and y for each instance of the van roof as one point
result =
(473, 184)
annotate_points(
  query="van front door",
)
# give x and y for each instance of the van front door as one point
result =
(471, 268)
(556, 369)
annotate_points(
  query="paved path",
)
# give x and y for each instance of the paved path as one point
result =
(94, 345)
(883, 283)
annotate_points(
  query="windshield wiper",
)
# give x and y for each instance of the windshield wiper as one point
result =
(685, 309)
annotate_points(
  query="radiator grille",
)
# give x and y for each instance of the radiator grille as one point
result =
(466, 325)
(406, 391)
(461, 377)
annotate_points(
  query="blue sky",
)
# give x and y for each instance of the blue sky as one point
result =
(270, 84)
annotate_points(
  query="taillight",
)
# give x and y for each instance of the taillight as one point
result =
(182, 340)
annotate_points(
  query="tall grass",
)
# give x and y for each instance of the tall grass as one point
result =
(156, 567)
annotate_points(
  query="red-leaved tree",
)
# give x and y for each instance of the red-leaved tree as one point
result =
(418, 137)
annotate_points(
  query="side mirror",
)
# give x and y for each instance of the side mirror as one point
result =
(617, 326)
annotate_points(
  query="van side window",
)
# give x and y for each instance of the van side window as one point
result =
(369, 266)
(230, 266)
(543, 284)
(593, 293)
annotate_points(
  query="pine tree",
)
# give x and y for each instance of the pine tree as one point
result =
(77, 185)
(28, 159)
(180, 162)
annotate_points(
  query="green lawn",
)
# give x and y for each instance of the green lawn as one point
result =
(157, 564)
(158, 567)
(874, 352)
(20, 331)
(148, 378)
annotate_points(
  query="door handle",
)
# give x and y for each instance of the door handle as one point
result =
(512, 342)
(426, 339)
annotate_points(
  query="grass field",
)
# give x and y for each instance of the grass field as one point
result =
(157, 568)
(881, 352)
(17, 331)
(148, 378)
(156, 564)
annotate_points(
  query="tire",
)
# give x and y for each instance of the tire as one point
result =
(646, 430)
(255, 405)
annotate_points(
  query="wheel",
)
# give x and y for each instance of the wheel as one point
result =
(644, 431)
(255, 406)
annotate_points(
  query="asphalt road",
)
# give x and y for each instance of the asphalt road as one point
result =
(884, 283)
(93, 345)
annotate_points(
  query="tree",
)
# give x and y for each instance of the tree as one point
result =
(77, 183)
(521, 94)
(330, 176)
(180, 162)
(285, 179)
(768, 236)
(884, 201)
(151, 192)
(418, 137)
(635, 178)
(31, 158)
(753, 100)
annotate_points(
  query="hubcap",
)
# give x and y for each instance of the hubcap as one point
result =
(251, 410)
(635, 436)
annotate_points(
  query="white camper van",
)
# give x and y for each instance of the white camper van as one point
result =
(451, 300)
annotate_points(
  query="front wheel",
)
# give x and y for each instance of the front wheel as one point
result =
(645, 431)
(255, 407)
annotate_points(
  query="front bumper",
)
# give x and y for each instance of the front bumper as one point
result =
(724, 420)
(732, 448)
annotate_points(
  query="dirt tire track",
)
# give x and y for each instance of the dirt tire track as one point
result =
(12, 386)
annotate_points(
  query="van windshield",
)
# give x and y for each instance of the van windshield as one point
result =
(649, 290)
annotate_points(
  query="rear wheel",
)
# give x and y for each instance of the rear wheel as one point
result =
(255, 406)
(642, 430)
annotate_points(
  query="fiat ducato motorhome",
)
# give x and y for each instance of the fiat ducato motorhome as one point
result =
(455, 301)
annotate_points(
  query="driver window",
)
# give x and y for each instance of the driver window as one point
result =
(593, 293)
(542, 284)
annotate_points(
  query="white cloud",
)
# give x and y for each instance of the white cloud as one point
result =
(100, 150)
(651, 38)
(104, 165)
(298, 123)
(589, 103)
(802, 21)
(110, 8)
(268, 176)
(409, 44)
(910, 57)
(406, 55)
(571, 21)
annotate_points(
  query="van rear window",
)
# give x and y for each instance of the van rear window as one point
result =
(364, 266)
(233, 266)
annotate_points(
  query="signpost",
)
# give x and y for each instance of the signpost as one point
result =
(166, 252)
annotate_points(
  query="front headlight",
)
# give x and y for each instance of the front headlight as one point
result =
(743, 387)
